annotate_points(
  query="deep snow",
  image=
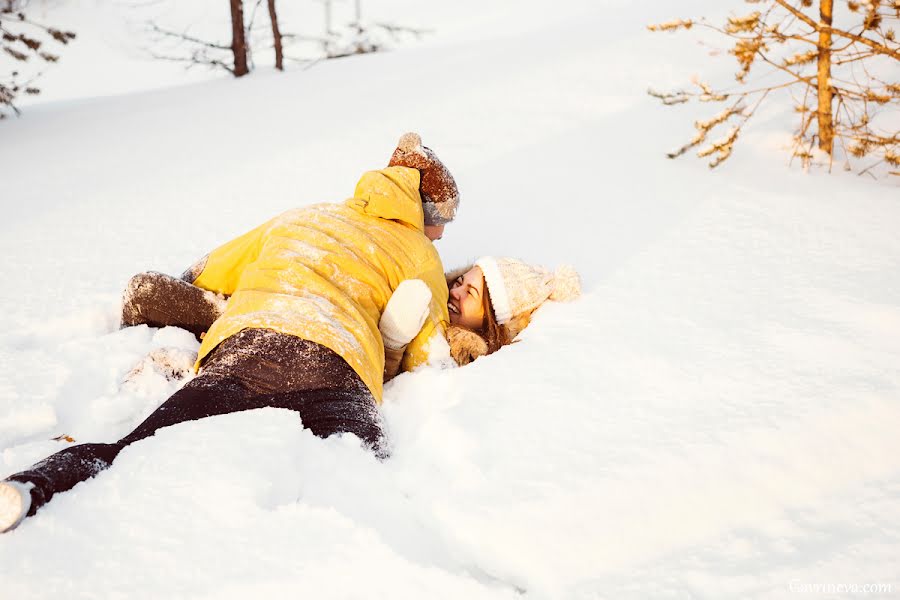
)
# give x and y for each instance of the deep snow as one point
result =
(716, 417)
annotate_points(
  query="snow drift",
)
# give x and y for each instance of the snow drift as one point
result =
(715, 417)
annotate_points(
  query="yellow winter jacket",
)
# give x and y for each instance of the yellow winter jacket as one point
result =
(324, 273)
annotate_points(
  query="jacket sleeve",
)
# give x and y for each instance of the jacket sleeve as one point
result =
(392, 360)
(191, 274)
(430, 346)
(221, 269)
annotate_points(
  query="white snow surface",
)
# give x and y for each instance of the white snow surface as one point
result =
(716, 417)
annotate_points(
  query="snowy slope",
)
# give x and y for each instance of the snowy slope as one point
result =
(716, 417)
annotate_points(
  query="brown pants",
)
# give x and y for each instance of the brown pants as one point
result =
(256, 368)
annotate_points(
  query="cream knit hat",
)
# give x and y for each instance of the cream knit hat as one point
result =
(517, 287)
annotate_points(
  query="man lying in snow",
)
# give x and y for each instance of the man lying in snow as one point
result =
(301, 327)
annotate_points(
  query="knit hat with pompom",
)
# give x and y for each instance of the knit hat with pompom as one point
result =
(517, 287)
(440, 196)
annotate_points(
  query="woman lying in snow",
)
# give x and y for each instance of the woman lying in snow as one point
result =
(493, 300)
(299, 329)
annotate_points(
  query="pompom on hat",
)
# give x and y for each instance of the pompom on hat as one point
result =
(440, 196)
(518, 288)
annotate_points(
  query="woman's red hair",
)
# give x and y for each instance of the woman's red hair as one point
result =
(493, 333)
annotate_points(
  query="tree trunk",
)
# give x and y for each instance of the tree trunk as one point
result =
(238, 40)
(276, 36)
(327, 6)
(823, 79)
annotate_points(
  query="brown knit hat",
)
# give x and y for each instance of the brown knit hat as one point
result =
(440, 196)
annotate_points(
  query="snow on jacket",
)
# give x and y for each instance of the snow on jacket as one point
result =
(324, 273)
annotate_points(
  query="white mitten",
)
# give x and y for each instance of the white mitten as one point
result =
(405, 313)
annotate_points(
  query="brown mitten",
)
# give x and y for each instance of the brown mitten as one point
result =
(465, 345)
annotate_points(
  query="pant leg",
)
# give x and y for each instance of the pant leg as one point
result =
(160, 300)
(347, 407)
(60, 472)
(329, 412)
(254, 369)
(284, 371)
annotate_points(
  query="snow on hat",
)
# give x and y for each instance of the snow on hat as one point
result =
(440, 196)
(517, 287)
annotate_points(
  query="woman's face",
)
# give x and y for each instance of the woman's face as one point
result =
(465, 305)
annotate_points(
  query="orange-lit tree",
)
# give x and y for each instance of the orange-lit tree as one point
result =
(844, 80)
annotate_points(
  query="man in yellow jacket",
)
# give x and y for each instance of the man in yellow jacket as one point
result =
(304, 323)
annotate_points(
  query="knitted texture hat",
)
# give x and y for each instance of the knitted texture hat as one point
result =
(440, 196)
(517, 287)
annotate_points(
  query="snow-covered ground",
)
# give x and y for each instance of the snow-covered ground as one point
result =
(717, 416)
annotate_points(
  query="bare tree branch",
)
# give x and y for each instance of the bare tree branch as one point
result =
(881, 48)
(187, 38)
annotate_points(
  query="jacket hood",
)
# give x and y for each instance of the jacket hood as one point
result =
(391, 193)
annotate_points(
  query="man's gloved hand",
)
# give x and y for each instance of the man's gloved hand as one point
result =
(405, 313)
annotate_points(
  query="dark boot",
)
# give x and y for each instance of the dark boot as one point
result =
(24, 493)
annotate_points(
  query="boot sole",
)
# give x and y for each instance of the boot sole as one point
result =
(13, 505)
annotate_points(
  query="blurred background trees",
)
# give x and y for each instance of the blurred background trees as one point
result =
(27, 47)
(250, 34)
(232, 38)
